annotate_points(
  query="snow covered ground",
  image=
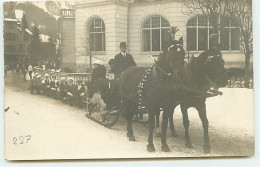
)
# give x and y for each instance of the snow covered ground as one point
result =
(59, 131)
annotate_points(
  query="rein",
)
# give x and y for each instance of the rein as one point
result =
(161, 70)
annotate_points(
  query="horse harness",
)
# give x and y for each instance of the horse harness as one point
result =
(148, 72)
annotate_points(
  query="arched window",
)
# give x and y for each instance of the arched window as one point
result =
(155, 34)
(199, 29)
(97, 35)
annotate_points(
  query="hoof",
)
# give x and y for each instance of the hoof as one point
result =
(188, 145)
(132, 138)
(158, 134)
(150, 148)
(174, 134)
(165, 148)
(206, 149)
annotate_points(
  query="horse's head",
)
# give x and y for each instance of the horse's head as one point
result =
(176, 55)
(215, 69)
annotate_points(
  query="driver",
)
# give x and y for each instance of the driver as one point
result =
(122, 61)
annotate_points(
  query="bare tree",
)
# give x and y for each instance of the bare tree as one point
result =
(211, 9)
(85, 50)
(241, 11)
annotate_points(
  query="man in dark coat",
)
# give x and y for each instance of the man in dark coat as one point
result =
(122, 61)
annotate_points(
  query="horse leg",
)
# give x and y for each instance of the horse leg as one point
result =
(205, 123)
(186, 124)
(165, 120)
(150, 146)
(173, 132)
(129, 118)
(157, 116)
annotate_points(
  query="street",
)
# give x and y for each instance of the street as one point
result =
(51, 129)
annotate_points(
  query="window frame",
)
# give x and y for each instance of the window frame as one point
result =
(208, 27)
(151, 28)
(102, 32)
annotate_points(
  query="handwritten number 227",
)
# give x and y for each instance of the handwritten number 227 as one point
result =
(21, 139)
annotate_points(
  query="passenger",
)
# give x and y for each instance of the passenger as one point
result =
(38, 84)
(71, 91)
(62, 88)
(46, 84)
(32, 86)
(54, 85)
(80, 93)
(99, 70)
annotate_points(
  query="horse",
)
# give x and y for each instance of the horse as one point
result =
(164, 80)
(202, 72)
(164, 92)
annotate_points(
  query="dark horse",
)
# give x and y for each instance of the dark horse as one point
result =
(165, 91)
(203, 72)
(160, 86)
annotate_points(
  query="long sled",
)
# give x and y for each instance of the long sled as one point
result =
(108, 118)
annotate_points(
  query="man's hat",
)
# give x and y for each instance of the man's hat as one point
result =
(123, 44)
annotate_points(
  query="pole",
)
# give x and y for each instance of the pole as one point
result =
(90, 57)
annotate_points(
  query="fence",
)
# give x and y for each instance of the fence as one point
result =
(59, 75)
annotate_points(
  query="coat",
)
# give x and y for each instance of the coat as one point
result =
(54, 84)
(72, 89)
(99, 72)
(121, 63)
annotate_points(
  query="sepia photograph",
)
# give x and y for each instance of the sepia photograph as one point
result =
(128, 79)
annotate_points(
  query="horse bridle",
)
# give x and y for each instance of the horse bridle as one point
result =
(210, 58)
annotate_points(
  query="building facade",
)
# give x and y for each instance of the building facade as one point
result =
(16, 37)
(67, 32)
(144, 25)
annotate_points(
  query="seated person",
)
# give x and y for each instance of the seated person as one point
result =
(71, 90)
(99, 85)
(38, 83)
(62, 88)
(46, 84)
(54, 85)
(80, 92)
(99, 70)
(33, 83)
